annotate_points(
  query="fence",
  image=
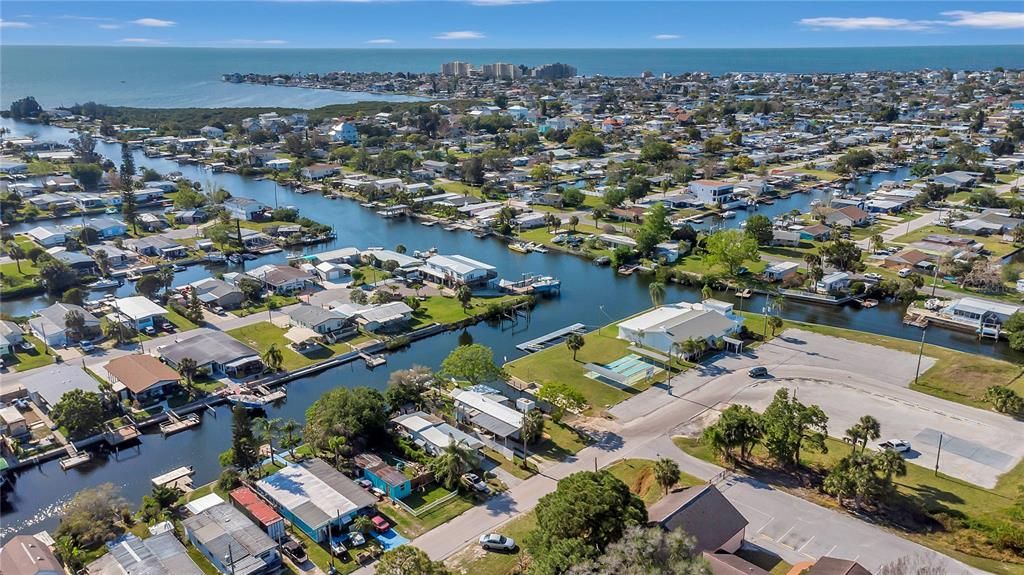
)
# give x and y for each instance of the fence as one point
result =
(424, 509)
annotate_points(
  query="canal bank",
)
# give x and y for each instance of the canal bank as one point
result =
(590, 295)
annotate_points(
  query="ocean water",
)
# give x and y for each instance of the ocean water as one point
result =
(190, 77)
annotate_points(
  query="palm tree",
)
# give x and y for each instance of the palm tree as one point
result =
(290, 429)
(267, 429)
(666, 471)
(273, 357)
(890, 464)
(812, 261)
(362, 524)
(575, 342)
(532, 431)
(870, 430)
(14, 250)
(187, 367)
(338, 446)
(657, 293)
(451, 463)
(74, 321)
(166, 277)
(465, 295)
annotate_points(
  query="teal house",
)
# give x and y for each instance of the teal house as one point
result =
(383, 476)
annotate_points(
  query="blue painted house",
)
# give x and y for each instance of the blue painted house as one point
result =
(383, 476)
(108, 227)
(316, 498)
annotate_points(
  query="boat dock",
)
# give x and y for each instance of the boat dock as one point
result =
(269, 396)
(373, 360)
(180, 478)
(174, 424)
(74, 458)
(550, 339)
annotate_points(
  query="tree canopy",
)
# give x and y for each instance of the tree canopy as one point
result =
(473, 363)
(360, 414)
(730, 248)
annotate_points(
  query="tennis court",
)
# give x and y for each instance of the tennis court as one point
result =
(625, 370)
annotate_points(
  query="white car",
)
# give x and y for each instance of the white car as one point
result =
(905, 272)
(497, 542)
(473, 480)
(897, 445)
(873, 276)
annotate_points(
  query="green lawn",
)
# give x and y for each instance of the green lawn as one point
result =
(821, 174)
(460, 188)
(556, 365)
(179, 321)
(446, 310)
(956, 376)
(475, 561)
(278, 301)
(991, 243)
(638, 474)
(412, 527)
(261, 336)
(560, 441)
(14, 280)
(962, 512)
(514, 468)
(26, 360)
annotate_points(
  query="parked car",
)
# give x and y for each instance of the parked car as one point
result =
(497, 542)
(897, 445)
(759, 371)
(873, 276)
(905, 272)
(149, 331)
(380, 524)
(86, 346)
(472, 480)
(218, 310)
(293, 549)
(364, 483)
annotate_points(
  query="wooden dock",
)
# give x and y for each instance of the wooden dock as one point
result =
(373, 360)
(269, 396)
(550, 339)
(74, 458)
(174, 424)
(180, 478)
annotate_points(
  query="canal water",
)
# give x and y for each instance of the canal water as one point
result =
(591, 295)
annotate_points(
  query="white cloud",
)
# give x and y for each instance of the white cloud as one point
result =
(13, 24)
(154, 23)
(150, 41)
(667, 36)
(991, 20)
(109, 26)
(865, 23)
(460, 35)
(381, 41)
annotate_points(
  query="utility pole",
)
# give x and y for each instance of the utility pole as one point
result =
(938, 455)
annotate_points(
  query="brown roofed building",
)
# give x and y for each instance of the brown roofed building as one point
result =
(26, 555)
(833, 566)
(705, 514)
(141, 378)
(906, 258)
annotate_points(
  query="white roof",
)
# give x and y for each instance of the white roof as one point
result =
(294, 486)
(457, 264)
(197, 506)
(655, 317)
(138, 307)
(487, 405)
(985, 305)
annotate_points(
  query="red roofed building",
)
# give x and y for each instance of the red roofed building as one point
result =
(259, 511)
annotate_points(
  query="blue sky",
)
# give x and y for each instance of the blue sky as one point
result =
(511, 23)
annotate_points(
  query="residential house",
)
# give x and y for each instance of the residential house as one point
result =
(139, 312)
(107, 228)
(157, 247)
(279, 164)
(817, 232)
(211, 132)
(712, 191)
(833, 282)
(11, 335)
(785, 238)
(616, 240)
(848, 217)
(246, 209)
(196, 216)
(48, 237)
(489, 414)
(908, 258)
(432, 434)
(391, 316)
(12, 422)
(79, 262)
(833, 566)
(214, 292)
(980, 312)
(160, 554)
(704, 514)
(956, 179)
(141, 378)
(315, 497)
(47, 386)
(322, 321)
(215, 353)
(232, 543)
(383, 476)
(457, 270)
(51, 327)
(318, 171)
(330, 272)
(281, 279)
(260, 512)
(780, 271)
(27, 555)
(666, 328)
(344, 133)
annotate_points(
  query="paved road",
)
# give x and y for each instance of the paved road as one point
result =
(898, 230)
(791, 527)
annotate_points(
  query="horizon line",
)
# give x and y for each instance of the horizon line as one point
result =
(495, 48)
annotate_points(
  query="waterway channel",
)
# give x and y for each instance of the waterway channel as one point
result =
(590, 294)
